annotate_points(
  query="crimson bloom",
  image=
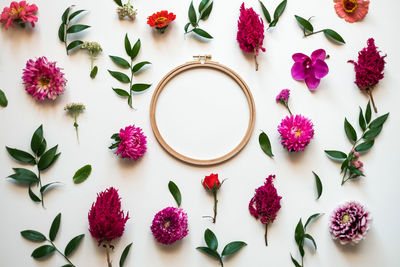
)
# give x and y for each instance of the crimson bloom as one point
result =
(19, 13)
(161, 20)
(212, 184)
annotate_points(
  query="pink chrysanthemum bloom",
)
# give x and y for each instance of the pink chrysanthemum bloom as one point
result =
(349, 223)
(19, 13)
(265, 204)
(43, 79)
(296, 132)
(106, 219)
(169, 225)
(131, 142)
(283, 96)
(250, 33)
(351, 10)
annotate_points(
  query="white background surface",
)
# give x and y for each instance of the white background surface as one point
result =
(143, 185)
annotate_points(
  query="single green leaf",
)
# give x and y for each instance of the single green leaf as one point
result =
(204, 15)
(120, 76)
(93, 72)
(192, 15)
(124, 255)
(265, 144)
(299, 233)
(279, 9)
(345, 163)
(118, 2)
(36, 140)
(318, 184)
(295, 261)
(76, 13)
(139, 87)
(355, 171)
(46, 187)
(338, 155)
(64, 16)
(128, 47)
(21, 156)
(130, 101)
(47, 159)
(115, 136)
(55, 158)
(312, 217)
(24, 175)
(68, 265)
(77, 28)
(368, 112)
(34, 236)
(186, 27)
(331, 34)
(74, 44)
(211, 239)
(82, 174)
(309, 237)
(379, 121)
(210, 252)
(73, 244)
(54, 227)
(202, 5)
(301, 249)
(42, 148)
(350, 132)
(33, 196)
(3, 99)
(43, 251)
(304, 23)
(265, 12)
(61, 32)
(121, 62)
(364, 146)
(175, 192)
(121, 92)
(361, 120)
(202, 33)
(232, 248)
(273, 23)
(372, 133)
(115, 145)
(139, 66)
(135, 49)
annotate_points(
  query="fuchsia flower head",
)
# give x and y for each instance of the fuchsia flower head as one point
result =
(19, 13)
(170, 225)
(311, 70)
(283, 96)
(130, 142)
(351, 10)
(296, 132)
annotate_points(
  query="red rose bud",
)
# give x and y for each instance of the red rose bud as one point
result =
(211, 182)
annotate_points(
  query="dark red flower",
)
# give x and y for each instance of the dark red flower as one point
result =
(211, 182)
(161, 20)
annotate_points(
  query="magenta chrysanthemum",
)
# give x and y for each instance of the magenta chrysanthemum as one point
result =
(296, 132)
(349, 223)
(106, 219)
(283, 96)
(170, 225)
(42, 79)
(19, 13)
(132, 143)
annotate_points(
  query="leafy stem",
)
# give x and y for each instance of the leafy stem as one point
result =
(40, 185)
(62, 254)
(311, 33)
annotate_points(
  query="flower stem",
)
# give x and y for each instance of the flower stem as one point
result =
(108, 253)
(287, 106)
(76, 128)
(308, 34)
(40, 184)
(255, 61)
(215, 205)
(266, 234)
(221, 262)
(372, 100)
(65, 257)
(130, 83)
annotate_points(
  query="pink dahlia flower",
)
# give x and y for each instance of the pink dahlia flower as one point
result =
(169, 225)
(131, 142)
(349, 223)
(296, 132)
(351, 10)
(43, 79)
(19, 13)
(311, 70)
(250, 33)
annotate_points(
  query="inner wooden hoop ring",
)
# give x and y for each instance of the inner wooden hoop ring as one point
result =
(211, 65)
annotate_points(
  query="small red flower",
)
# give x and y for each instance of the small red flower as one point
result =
(161, 20)
(211, 182)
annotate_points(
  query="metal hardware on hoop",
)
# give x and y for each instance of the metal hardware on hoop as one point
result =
(202, 58)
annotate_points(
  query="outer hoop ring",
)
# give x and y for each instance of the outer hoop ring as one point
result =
(210, 65)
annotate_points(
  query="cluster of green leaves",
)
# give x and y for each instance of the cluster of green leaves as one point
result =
(82, 174)
(300, 236)
(117, 140)
(318, 184)
(47, 250)
(277, 13)
(3, 99)
(42, 159)
(308, 30)
(67, 27)
(265, 144)
(370, 130)
(132, 52)
(212, 246)
(205, 8)
(175, 192)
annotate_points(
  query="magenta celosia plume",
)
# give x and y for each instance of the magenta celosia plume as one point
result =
(106, 219)
(43, 79)
(296, 132)
(169, 225)
(19, 13)
(132, 143)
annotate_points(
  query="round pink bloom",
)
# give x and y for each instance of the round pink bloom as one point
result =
(132, 143)
(349, 223)
(296, 132)
(19, 13)
(283, 96)
(311, 70)
(170, 225)
(42, 79)
(250, 33)
(351, 10)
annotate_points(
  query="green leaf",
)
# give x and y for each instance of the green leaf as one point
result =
(309, 237)
(368, 112)
(173, 188)
(3, 99)
(21, 156)
(318, 184)
(356, 171)
(186, 27)
(65, 15)
(331, 34)
(121, 92)
(37, 139)
(279, 9)
(139, 66)
(120, 76)
(47, 159)
(364, 146)
(54, 227)
(128, 47)
(295, 262)
(372, 133)
(202, 33)
(265, 12)
(82, 174)
(44, 188)
(338, 155)
(265, 144)
(350, 132)
(192, 15)
(135, 49)
(33, 196)
(273, 23)
(42, 148)
(124, 255)
(76, 13)
(210, 252)
(204, 15)
(73, 244)
(139, 87)
(304, 23)
(68, 265)
(118, 2)
(42, 251)
(232, 248)
(211, 239)
(93, 72)
(361, 120)
(74, 44)
(34, 236)
(77, 28)
(379, 121)
(61, 33)
(299, 233)
(202, 5)
(121, 62)
(312, 217)
(24, 175)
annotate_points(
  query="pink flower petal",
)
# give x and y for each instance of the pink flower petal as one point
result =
(312, 82)
(320, 69)
(299, 57)
(318, 54)
(298, 71)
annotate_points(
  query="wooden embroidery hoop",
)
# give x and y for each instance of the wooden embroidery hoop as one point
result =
(202, 62)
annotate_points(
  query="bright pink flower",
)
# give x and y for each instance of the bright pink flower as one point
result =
(283, 96)
(19, 13)
(296, 132)
(311, 70)
(169, 225)
(351, 10)
(132, 143)
(42, 79)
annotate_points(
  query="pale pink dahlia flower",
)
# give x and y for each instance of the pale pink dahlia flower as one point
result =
(19, 13)
(169, 225)
(296, 132)
(130, 142)
(43, 79)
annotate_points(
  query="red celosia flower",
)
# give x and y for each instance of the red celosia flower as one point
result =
(161, 20)
(19, 13)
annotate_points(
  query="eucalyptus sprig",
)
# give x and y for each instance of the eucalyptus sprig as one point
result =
(67, 27)
(351, 166)
(3, 99)
(308, 30)
(300, 236)
(277, 13)
(41, 158)
(212, 246)
(204, 9)
(47, 250)
(132, 52)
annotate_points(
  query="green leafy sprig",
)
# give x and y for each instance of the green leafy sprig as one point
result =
(308, 30)
(212, 246)
(351, 167)
(265, 144)
(277, 13)
(42, 159)
(67, 27)
(204, 9)
(3, 99)
(300, 236)
(47, 250)
(132, 52)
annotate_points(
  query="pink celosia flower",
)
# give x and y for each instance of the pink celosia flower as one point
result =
(311, 70)
(43, 79)
(265, 204)
(131, 143)
(250, 33)
(351, 10)
(19, 13)
(296, 132)
(169, 225)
